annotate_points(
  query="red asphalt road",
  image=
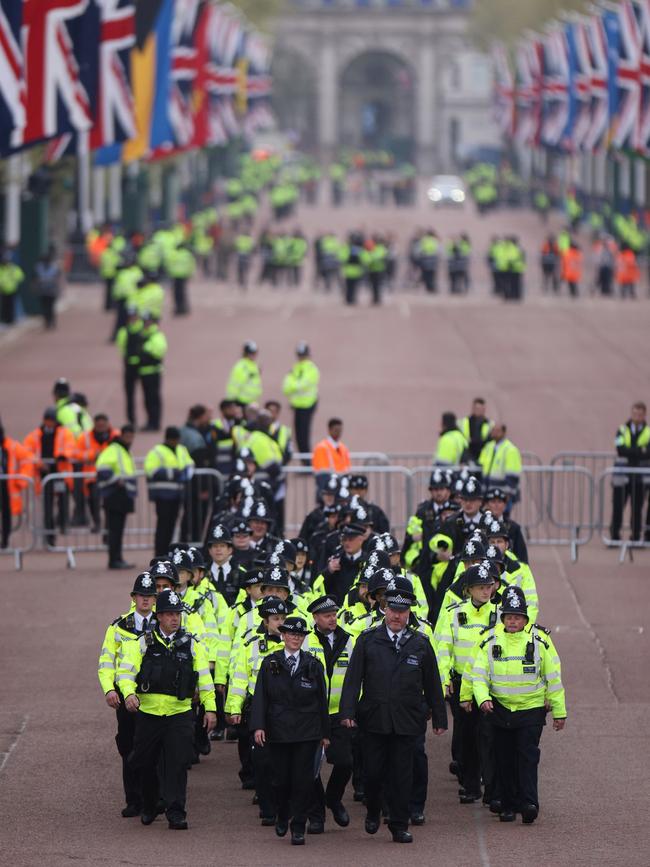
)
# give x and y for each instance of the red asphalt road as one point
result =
(561, 373)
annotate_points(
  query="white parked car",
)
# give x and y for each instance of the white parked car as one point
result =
(446, 190)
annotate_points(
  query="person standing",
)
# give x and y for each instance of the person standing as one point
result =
(500, 461)
(89, 445)
(15, 460)
(395, 670)
(572, 268)
(301, 387)
(628, 273)
(289, 712)
(516, 679)
(330, 455)
(11, 276)
(135, 622)
(129, 344)
(352, 256)
(633, 450)
(549, 260)
(47, 286)
(452, 446)
(153, 348)
(168, 468)
(158, 676)
(245, 380)
(118, 488)
(476, 427)
(180, 264)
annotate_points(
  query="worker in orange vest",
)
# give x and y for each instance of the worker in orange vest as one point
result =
(53, 446)
(330, 455)
(572, 268)
(88, 446)
(15, 460)
(628, 273)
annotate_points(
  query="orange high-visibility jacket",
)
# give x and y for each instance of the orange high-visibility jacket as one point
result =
(327, 457)
(572, 265)
(64, 450)
(20, 461)
(627, 268)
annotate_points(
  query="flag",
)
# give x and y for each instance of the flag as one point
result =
(642, 10)
(596, 134)
(504, 91)
(12, 86)
(151, 78)
(223, 36)
(528, 66)
(579, 62)
(114, 111)
(61, 66)
(555, 122)
(185, 59)
(625, 132)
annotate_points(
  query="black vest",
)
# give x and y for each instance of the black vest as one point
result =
(168, 670)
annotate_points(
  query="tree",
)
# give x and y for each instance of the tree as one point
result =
(505, 21)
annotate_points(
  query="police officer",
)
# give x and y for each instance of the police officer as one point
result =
(157, 676)
(117, 486)
(180, 265)
(125, 628)
(245, 380)
(301, 387)
(633, 450)
(11, 276)
(153, 348)
(168, 467)
(395, 670)
(290, 713)
(129, 343)
(330, 643)
(451, 449)
(516, 679)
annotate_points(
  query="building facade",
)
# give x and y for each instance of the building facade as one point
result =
(399, 74)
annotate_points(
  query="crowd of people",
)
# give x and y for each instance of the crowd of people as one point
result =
(336, 646)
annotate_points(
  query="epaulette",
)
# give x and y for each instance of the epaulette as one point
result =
(187, 609)
(453, 605)
(541, 628)
(424, 620)
(487, 628)
(541, 640)
(127, 621)
(487, 640)
(251, 639)
(370, 628)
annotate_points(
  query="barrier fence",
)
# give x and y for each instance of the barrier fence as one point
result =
(558, 504)
(18, 531)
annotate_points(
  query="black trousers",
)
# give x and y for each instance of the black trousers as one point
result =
(550, 277)
(339, 755)
(262, 769)
(162, 750)
(388, 759)
(420, 786)
(470, 763)
(376, 279)
(166, 515)
(115, 522)
(120, 317)
(5, 515)
(108, 293)
(293, 780)
(302, 419)
(48, 308)
(635, 491)
(180, 296)
(124, 740)
(351, 284)
(7, 308)
(429, 280)
(517, 758)
(151, 386)
(130, 382)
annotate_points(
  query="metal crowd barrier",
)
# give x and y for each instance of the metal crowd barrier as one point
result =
(71, 516)
(595, 462)
(417, 460)
(620, 488)
(20, 536)
(389, 487)
(357, 458)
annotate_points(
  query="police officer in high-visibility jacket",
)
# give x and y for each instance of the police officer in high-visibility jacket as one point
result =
(330, 643)
(516, 679)
(633, 450)
(301, 387)
(500, 461)
(452, 446)
(11, 276)
(476, 427)
(169, 468)
(118, 488)
(158, 675)
(245, 380)
(153, 348)
(126, 628)
(180, 264)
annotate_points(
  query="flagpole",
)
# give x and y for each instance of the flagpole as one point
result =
(14, 192)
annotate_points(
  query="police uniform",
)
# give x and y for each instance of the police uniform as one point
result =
(520, 674)
(164, 671)
(290, 706)
(398, 679)
(334, 651)
(117, 486)
(123, 629)
(301, 387)
(168, 469)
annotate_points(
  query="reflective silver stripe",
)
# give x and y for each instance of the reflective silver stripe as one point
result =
(556, 687)
(237, 690)
(127, 666)
(514, 678)
(497, 689)
(121, 676)
(203, 671)
(106, 665)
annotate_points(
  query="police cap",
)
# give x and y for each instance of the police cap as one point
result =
(144, 585)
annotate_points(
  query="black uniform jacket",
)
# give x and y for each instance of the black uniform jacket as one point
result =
(290, 709)
(399, 688)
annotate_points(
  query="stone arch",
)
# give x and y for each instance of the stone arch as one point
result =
(377, 100)
(295, 94)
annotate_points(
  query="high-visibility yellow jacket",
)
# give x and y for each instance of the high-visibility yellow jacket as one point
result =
(245, 382)
(167, 471)
(450, 449)
(301, 384)
(500, 461)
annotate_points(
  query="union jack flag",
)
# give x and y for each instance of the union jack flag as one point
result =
(504, 91)
(528, 64)
(114, 114)
(642, 9)
(12, 86)
(57, 98)
(579, 86)
(596, 135)
(626, 130)
(184, 72)
(555, 93)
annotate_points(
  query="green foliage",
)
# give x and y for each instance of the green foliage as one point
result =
(260, 13)
(505, 20)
